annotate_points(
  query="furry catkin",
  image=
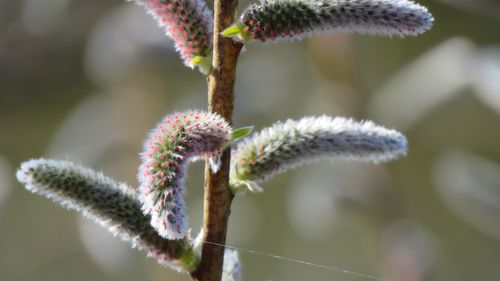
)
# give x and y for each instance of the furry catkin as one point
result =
(294, 19)
(177, 140)
(188, 22)
(292, 143)
(111, 204)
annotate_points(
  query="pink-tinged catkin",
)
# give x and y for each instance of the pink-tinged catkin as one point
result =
(188, 22)
(293, 143)
(177, 140)
(295, 19)
(109, 203)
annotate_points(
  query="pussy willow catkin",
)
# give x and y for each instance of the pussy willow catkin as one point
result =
(177, 140)
(188, 22)
(294, 19)
(112, 204)
(293, 143)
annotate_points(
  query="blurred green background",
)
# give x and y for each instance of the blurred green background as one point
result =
(86, 80)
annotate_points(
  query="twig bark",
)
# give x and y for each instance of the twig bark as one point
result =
(218, 197)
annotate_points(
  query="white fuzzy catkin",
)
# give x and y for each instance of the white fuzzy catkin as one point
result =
(292, 143)
(294, 19)
(231, 270)
(178, 139)
(111, 204)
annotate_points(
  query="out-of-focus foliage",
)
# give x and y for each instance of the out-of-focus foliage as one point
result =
(85, 80)
(470, 186)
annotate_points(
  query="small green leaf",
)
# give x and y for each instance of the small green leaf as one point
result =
(203, 63)
(234, 30)
(197, 59)
(240, 133)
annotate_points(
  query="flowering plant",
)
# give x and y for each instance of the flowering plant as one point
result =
(153, 216)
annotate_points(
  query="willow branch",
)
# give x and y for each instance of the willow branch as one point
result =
(218, 197)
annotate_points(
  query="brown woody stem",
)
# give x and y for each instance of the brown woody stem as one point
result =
(218, 197)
